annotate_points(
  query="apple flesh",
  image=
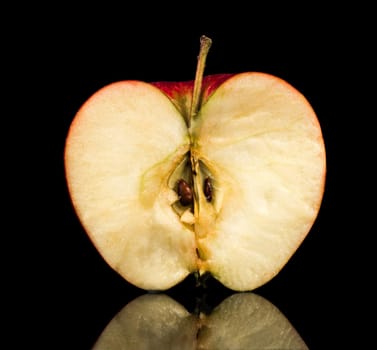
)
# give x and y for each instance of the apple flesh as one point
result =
(252, 158)
(241, 321)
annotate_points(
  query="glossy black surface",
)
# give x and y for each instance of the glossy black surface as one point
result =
(72, 290)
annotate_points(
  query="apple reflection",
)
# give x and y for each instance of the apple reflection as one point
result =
(241, 321)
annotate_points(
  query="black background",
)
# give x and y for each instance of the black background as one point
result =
(65, 55)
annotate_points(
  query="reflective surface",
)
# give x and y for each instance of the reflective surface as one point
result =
(241, 321)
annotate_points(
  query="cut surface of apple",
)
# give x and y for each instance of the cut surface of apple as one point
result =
(231, 190)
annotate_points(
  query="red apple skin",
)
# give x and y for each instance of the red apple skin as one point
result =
(181, 93)
(209, 85)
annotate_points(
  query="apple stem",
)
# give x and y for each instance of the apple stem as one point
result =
(205, 44)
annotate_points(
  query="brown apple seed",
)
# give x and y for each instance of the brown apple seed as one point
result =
(184, 192)
(207, 189)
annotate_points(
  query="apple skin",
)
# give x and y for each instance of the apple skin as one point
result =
(181, 93)
(161, 268)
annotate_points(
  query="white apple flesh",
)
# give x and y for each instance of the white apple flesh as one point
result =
(255, 138)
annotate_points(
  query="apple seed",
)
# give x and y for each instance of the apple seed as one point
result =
(207, 189)
(184, 192)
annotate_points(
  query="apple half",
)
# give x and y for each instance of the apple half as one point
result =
(222, 175)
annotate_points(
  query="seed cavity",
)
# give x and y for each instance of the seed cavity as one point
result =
(188, 217)
(184, 193)
(207, 189)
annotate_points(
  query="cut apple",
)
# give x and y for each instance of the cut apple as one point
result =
(241, 321)
(168, 181)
